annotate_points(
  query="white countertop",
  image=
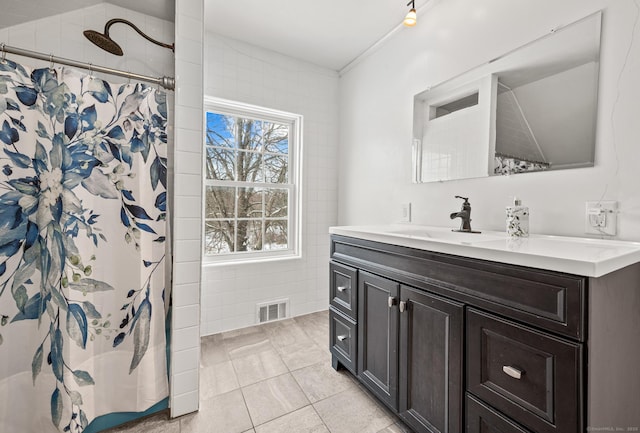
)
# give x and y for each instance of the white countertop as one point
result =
(579, 256)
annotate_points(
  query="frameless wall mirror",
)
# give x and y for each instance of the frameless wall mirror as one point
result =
(533, 109)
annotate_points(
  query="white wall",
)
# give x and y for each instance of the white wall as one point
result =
(451, 37)
(245, 73)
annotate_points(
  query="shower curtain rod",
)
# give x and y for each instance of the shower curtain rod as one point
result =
(168, 83)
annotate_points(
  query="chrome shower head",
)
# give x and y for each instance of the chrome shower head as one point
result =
(104, 41)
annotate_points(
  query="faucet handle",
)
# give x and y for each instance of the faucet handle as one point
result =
(466, 199)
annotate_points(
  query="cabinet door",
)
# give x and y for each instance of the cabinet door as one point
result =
(431, 364)
(378, 336)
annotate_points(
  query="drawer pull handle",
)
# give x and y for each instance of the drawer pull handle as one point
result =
(342, 337)
(402, 306)
(342, 288)
(391, 301)
(512, 371)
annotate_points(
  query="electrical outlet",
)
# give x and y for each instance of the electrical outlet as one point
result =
(405, 213)
(601, 217)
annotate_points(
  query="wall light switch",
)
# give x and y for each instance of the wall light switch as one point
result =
(405, 213)
(601, 217)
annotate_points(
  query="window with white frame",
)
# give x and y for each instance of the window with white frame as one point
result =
(251, 181)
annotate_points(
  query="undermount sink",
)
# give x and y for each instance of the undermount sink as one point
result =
(445, 235)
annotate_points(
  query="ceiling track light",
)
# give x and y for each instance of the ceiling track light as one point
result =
(411, 17)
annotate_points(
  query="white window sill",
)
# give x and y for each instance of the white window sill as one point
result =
(234, 261)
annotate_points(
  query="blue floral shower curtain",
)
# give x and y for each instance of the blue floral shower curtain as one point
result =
(82, 248)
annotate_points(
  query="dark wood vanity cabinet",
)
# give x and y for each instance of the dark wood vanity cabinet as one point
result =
(410, 352)
(454, 344)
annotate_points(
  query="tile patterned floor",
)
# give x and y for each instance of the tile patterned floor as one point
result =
(275, 378)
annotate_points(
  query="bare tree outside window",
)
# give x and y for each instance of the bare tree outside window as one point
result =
(247, 185)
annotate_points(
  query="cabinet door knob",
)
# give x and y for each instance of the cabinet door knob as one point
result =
(342, 288)
(512, 371)
(403, 306)
(392, 301)
(342, 337)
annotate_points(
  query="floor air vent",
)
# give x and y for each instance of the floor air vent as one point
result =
(273, 310)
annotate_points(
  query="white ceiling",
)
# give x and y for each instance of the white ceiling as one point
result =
(329, 33)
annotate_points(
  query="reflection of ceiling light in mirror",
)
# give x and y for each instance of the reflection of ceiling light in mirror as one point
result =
(411, 17)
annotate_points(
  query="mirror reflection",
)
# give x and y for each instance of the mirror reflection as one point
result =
(533, 109)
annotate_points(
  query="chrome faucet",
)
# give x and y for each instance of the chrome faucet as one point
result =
(464, 215)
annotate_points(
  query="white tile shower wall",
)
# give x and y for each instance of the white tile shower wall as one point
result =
(61, 35)
(245, 73)
(187, 209)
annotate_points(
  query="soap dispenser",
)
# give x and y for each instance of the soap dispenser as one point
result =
(517, 219)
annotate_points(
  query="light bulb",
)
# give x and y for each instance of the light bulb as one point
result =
(411, 18)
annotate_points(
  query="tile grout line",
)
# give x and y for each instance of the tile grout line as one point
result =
(321, 419)
(244, 400)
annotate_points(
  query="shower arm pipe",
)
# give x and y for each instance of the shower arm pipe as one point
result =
(168, 83)
(140, 32)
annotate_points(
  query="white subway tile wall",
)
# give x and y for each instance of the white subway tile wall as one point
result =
(183, 361)
(187, 211)
(184, 338)
(186, 382)
(245, 73)
(186, 402)
(186, 316)
(189, 296)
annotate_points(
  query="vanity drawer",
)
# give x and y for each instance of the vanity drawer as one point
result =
(483, 419)
(343, 289)
(533, 377)
(343, 339)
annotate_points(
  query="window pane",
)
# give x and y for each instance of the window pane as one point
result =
(276, 138)
(276, 168)
(249, 167)
(220, 130)
(256, 135)
(220, 163)
(275, 235)
(276, 203)
(220, 202)
(248, 190)
(219, 237)
(250, 134)
(249, 203)
(249, 236)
